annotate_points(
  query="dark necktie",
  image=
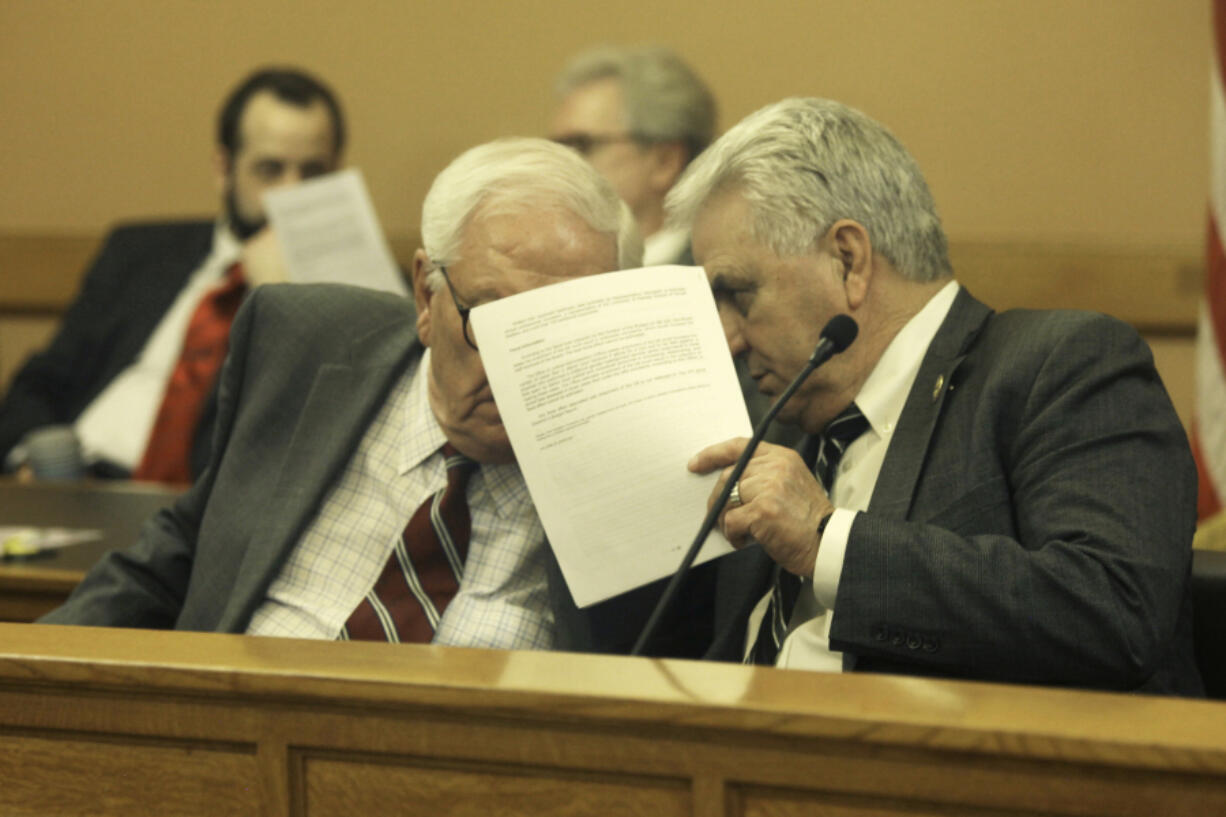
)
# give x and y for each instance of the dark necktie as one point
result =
(167, 455)
(425, 569)
(838, 434)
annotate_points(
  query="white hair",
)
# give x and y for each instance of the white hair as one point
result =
(803, 164)
(510, 174)
(665, 99)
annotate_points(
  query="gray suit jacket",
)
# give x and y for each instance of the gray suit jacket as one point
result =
(309, 367)
(1032, 521)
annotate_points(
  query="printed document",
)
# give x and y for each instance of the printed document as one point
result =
(329, 233)
(608, 385)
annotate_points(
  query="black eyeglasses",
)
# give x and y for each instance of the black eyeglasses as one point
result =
(585, 143)
(463, 310)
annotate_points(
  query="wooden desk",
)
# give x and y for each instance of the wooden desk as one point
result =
(33, 586)
(137, 722)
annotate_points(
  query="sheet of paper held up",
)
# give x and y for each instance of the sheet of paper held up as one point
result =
(607, 385)
(329, 233)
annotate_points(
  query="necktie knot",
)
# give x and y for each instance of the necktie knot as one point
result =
(838, 434)
(459, 466)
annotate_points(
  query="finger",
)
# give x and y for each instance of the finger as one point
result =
(717, 456)
(735, 526)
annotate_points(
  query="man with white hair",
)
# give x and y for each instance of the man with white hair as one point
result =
(994, 496)
(361, 483)
(639, 115)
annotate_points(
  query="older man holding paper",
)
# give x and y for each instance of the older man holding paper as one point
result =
(361, 483)
(994, 496)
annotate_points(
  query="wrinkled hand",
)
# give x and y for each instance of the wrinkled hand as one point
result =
(781, 502)
(263, 262)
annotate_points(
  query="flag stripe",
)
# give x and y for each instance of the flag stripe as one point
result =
(1209, 424)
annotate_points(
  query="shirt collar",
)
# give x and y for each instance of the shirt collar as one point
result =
(226, 248)
(884, 394)
(421, 437)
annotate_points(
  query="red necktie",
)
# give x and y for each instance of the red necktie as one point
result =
(168, 453)
(423, 573)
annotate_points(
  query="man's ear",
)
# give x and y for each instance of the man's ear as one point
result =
(668, 160)
(221, 169)
(422, 293)
(852, 249)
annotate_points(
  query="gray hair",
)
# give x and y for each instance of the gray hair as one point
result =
(665, 100)
(509, 174)
(803, 164)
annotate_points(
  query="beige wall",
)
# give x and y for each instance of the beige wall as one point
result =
(1073, 122)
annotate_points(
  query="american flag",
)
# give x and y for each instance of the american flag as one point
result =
(1209, 426)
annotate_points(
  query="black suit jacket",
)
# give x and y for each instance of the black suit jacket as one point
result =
(309, 367)
(1032, 521)
(126, 291)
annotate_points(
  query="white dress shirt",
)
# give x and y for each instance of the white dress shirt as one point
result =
(115, 426)
(664, 247)
(503, 600)
(881, 400)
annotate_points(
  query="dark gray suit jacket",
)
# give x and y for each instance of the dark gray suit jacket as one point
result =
(309, 367)
(1032, 521)
(125, 293)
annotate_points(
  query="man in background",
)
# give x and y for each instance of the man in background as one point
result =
(639, 115)
(1004, 497)
(135, 358)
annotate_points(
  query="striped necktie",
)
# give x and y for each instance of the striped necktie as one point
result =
(841, 432)
(424, 571)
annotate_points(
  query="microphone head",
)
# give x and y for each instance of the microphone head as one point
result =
(840, 331)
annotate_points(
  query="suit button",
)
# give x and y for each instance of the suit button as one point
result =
(931, 645)
(897, 638)
(878, 632)
(913, 642)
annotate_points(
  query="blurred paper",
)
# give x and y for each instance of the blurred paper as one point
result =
(607, 386)
(329, 233)
(26, 541)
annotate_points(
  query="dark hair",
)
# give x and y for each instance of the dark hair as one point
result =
(287, 84)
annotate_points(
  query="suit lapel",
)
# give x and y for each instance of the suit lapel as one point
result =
(341, 402)
(905, 458)
(906, 455)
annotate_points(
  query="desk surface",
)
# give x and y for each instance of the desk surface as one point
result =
(31, 586)
(227, 724)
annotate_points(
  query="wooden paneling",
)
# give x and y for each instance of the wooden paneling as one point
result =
(357, 728)
(67, 774)
(338, 788)
(40, 272)
(20, 336)
(1155, 290)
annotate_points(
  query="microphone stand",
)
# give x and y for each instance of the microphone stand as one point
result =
(826, 348)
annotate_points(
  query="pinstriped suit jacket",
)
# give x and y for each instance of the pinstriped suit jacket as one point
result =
(1032, 521)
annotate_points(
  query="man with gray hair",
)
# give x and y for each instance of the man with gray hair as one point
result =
(639, 115)
(361, 483)
(1004, 496)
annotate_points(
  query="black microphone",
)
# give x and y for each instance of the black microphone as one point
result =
(838, 334)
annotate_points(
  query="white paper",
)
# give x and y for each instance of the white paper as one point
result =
(329, 233)
(19, 541)
(607, 386)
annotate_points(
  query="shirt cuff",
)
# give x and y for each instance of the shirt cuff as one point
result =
(829, 567)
